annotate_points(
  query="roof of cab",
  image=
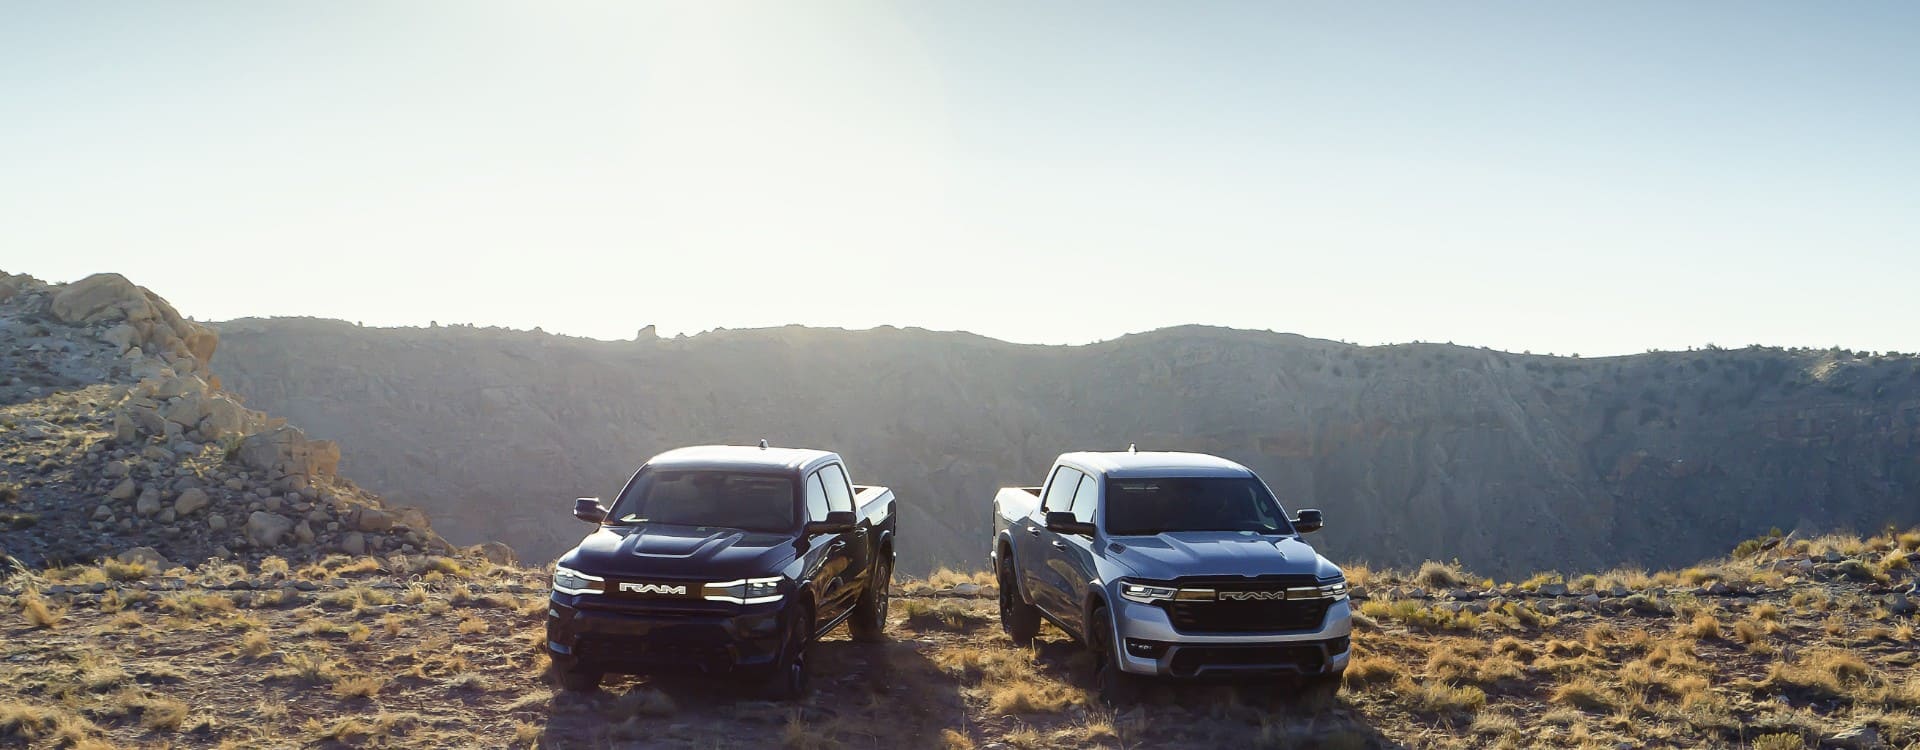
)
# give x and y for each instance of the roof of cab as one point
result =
(1157, 464)
(738, 457)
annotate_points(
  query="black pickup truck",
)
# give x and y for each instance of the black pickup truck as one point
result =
(725, 560)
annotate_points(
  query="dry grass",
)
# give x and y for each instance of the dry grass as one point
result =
(361, 687)
(1441, 575)
(1703, 626)
(38, 613)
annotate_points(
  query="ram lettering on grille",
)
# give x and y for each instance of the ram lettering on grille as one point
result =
(1252, 596)
(653, 588)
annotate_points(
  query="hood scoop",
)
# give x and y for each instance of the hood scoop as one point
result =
(687, 543)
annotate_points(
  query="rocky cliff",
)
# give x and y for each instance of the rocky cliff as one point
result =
(1507, 462)
(116, 440)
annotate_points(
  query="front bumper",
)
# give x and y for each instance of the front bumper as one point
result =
(625, 637)
(1150, 645)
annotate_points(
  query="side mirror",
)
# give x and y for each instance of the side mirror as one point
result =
(1308, 521)
(1064, 522)
(588, 509)
(837, 521)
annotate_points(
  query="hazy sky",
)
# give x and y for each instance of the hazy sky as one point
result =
(1601, 177)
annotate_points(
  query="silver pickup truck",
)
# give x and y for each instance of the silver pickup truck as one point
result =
(1178, 565)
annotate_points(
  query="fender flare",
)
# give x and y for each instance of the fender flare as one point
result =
(1096, 599)
(1004, 540)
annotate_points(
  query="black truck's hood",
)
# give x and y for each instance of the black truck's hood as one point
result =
(681, 552)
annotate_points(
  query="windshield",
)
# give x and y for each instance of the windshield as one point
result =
(1152, 506)
(730, 499)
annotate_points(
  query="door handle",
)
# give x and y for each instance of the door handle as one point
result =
(1059, 544)
(1034, 530)
(837, 546)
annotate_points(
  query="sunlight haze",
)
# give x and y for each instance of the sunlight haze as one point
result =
(1601, 179)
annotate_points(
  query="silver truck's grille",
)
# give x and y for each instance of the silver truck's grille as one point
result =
(1249, 605)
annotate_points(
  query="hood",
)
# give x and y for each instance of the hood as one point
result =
(1216, 553)
(680, 552)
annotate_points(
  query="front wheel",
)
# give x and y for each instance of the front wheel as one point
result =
(577, 680)
(1020, 619)
(1117, 687)
(869, 621)
(789, 679)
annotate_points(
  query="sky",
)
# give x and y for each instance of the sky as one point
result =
(1595, 178)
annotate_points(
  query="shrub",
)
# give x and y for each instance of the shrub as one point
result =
(1438, 575)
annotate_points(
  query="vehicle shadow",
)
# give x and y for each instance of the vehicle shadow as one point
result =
(863, 695)
(897, 694)
(1270, 712)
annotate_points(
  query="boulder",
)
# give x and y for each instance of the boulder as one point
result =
(216, 522)
(373, 520)
(354, 543)
(1855, 738)
(124, 490)
(146, 420)
(266, 530)
(102, 297)
(190, 500)
(124, 430)
(303, 532)
(148, 555)
(180, 385)
(149, 502)
(122, 337)
(224, 416)
(413, 518)
(186, 410)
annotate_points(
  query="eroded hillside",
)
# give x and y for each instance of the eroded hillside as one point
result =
(1508, 462)
(115, 440)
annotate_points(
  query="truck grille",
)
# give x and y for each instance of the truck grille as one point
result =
(1248, 617)
(1251, 616)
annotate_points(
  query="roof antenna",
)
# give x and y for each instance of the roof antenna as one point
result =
(763, 443)
(1130, 448)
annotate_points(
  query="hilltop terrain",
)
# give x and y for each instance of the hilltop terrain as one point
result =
(185, 570)
(1792, 643)
(1508, 462)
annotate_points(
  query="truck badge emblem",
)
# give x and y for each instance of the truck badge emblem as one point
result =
(653, 588)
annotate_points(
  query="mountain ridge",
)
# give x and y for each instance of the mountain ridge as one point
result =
(1510, 462)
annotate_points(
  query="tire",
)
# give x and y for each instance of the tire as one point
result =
(1020, 619)
(869, 621)
(789, 679)
(577, 680)
(1116, 687)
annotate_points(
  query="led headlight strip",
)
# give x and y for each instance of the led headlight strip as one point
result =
(570, 581)
(743, 591)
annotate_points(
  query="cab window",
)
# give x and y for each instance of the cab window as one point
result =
(1085, 500)
(816, 498)
(839, 497)
(1060, 490)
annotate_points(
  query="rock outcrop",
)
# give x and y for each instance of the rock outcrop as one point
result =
(126, 441)
(1509, 462)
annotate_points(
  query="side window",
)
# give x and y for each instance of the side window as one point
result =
(1060, 490)
(839, 496)
(816, 498)
(1085, 500)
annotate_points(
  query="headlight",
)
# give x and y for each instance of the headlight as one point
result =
(1145, 593)
(743, 591)
(1328, 588)
(570, 581)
